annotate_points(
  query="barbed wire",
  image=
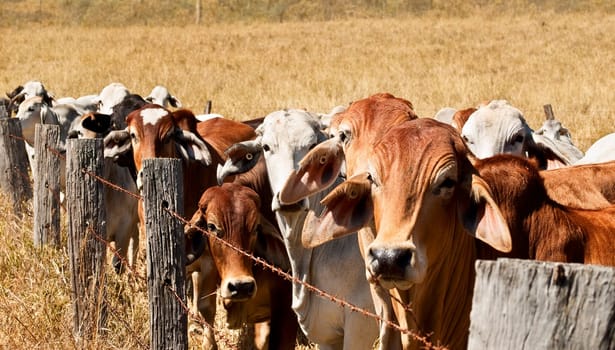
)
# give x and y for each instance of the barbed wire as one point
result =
(259, 261)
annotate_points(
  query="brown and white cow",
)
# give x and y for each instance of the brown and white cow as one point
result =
(353, 133)
(154, 132)
(122, 220)
(250, 293)
(428, 207)
(543, 229)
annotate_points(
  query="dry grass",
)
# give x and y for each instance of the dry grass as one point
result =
(249, 70)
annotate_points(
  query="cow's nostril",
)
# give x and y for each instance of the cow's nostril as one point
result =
(241, 289)
(389, 263)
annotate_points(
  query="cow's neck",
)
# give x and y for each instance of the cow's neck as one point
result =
(441, 304)
(300, 257)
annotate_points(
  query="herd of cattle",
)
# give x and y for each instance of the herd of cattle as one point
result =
(368, 202)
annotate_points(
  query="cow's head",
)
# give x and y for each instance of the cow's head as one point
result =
(421, 191)
(500, 128)
(32, 111)
(91, 125)
(352, 133)
(230, 213)
(284, 138)
(155, 132)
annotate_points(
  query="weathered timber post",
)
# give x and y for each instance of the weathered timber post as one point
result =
(166, 272)
(14, 165)
(208, 107)
(86, 232)
(548, 112)
(47, 185)
(524, 304)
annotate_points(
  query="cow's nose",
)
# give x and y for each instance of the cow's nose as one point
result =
(242, 289)
(389, 263)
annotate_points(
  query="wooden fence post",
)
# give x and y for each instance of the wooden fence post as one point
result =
(47, 186)
(14, 165)
(207, 109)
(524, 304)
(166, 271)
(87, 228)
(548, 112)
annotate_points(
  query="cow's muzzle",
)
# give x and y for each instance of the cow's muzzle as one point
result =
(389, 263)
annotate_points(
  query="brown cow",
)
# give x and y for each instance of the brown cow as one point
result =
(589, 186)
(155, 132)
(543, 229)
(250, 293)
(424, 198)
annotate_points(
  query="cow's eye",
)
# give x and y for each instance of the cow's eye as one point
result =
(518, 139)
(211, 227)
(466, 139)
(345, 136)
(312, 146)
(266, 148)
(448, 184)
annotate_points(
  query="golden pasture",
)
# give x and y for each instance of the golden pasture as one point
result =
(249, 70)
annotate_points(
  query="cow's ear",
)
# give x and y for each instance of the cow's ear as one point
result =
(270, 245)
(195, 242)
(317, 171)
(175, 102)
(97, 122)
(547, 153)
(117, 143)
(192, 147)
(482, 217)
(348, 208)
(241, 157)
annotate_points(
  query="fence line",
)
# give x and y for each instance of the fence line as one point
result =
(343, 303)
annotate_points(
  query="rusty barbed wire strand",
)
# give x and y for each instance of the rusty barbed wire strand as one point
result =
(321, 293)
(193, 316)
(423, 339)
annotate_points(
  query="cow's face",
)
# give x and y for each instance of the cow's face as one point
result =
(495, 129)
(425, 197)
(416, 181)
(151, 136)
(154, 132)
(285, 138)
(230, 212)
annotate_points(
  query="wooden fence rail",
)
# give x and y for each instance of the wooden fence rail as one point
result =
(87, 221)
(523, 304)
(166, 271)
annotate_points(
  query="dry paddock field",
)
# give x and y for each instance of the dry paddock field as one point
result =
(249, 70)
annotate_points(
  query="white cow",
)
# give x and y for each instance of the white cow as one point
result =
(122, 208)
(600, 151)
(34, 111)
(160, 95)
(335, 267)
(29, 89)
(498, 127)
(110, 96)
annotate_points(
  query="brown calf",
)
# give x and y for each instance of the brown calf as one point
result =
(250, 293)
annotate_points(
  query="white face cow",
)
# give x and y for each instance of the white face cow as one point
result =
(496, 128)
(111, 95)
(160, 95)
